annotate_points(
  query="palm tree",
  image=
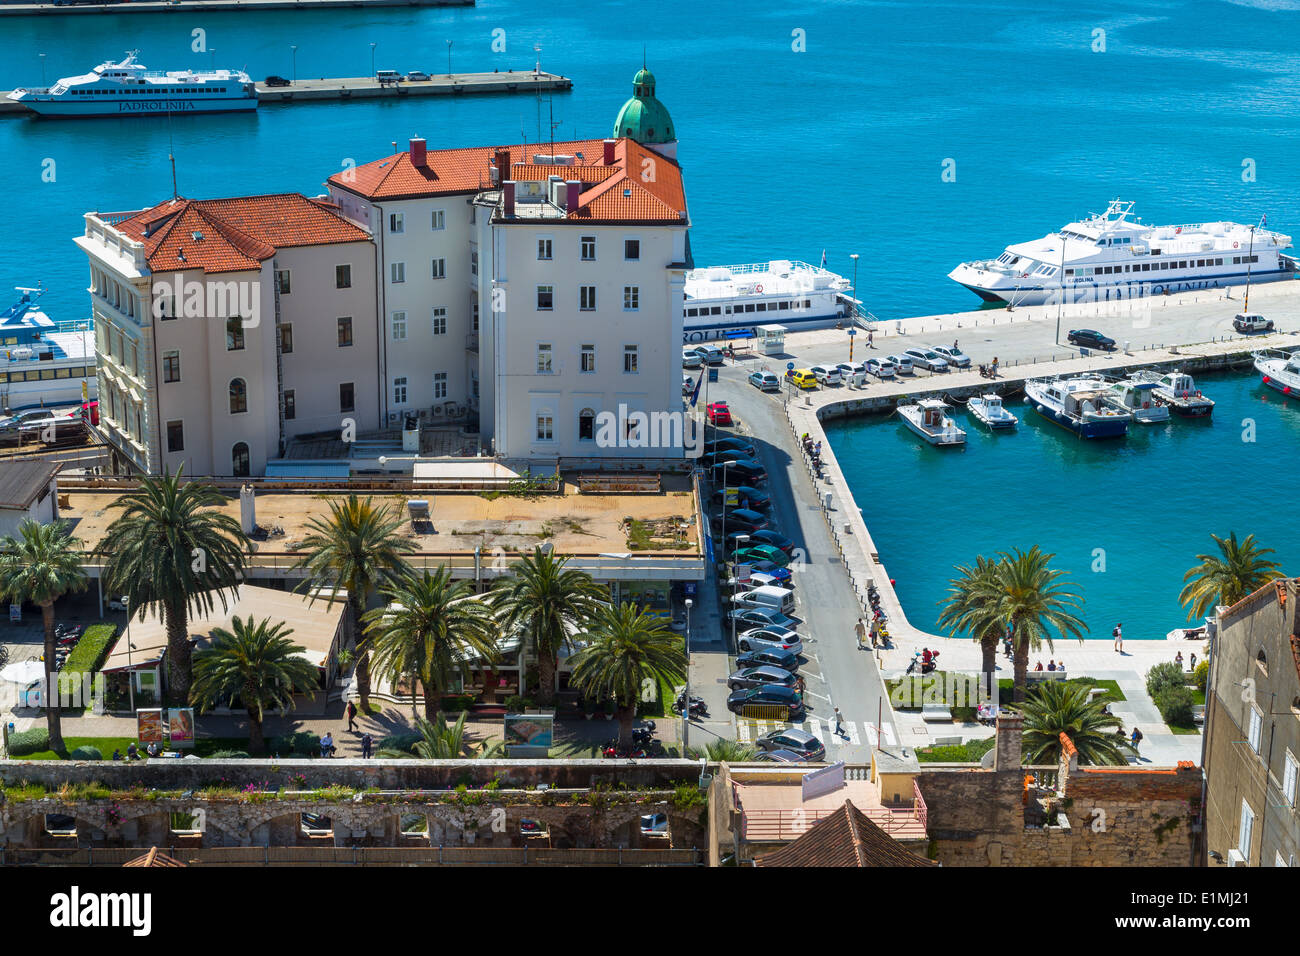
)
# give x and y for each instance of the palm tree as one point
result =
(171, 552)
(434, 628)
(438, 741)
(1239, 569)
(41, 565)
(972, 605)
(356, 549)
(256, 662)
(723, 749)
(1034, 602)
(629, 652)
(1057, 708)
(549, 603)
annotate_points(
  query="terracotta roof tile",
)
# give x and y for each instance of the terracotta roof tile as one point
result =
(238, 234)
(845, 838)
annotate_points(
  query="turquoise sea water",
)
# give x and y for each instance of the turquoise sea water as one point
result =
(1125, 517)
(786, 153)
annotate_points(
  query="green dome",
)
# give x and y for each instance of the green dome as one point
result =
(643, 118)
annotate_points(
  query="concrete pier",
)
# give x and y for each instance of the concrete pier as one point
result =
(191, 6)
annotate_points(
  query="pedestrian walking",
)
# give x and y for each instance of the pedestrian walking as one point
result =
(1192, 663)
(366, 743)
(1118, 635)
(351, 710)
(861, 630)
(871, 337)
(954, 345)
(1135, 738)
(839, 724)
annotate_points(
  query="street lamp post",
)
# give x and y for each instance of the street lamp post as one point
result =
(449, 58)
(130, 665)
(372, 59)
(294, 48)
(740, 542)
(853, 323)
(1250, 254)
(686, 699)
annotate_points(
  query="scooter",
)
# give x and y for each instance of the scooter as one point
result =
(698, 707)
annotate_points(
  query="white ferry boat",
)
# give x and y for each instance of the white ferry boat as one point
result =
(1080, 405)
(724, 299)
(125, 88)
(1111, 256)
(929, 418)
(1279, 370)
(43, 362)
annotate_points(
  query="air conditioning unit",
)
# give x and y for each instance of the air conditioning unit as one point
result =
(437, 411)
(392, 417)
(424, 413)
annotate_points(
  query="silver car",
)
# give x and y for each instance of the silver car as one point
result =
(761, 676)
(881, 368)
(927, 359)
(952, 355)
(902, 364)
(769, 638)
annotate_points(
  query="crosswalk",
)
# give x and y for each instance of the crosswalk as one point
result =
(855, 733)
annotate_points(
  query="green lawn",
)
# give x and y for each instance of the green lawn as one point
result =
(204, 746)
(969, 752)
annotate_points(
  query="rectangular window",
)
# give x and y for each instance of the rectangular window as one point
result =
(282, 281)
(630, 363)
(290, 405)
(544, 248)
(439, 219)
(234, 334)
(631, 298)
(439, 320)
(1245, 830)
(473, 263)
(438, 268)
(399, 390)
(175, 435)
(631, 249)
(166, 308)
(588, 358)
(345, 332)
(172, 365)
(439, 385)
(343, 277)
(588, 248)
(544, 363)
(1290, 770)
(1256, 731)
(545, 298)
(397, 272)
(347, 397)
(545, 428)
(286, 338)
(587, 298)
(399, 326)
(396, 222)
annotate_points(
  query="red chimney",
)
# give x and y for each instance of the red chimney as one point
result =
(501, 160)
(508, 191)
(574, 191)
(609, 151)
(418, 155)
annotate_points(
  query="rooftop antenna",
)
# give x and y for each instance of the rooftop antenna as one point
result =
(537, 80)
(171, 155)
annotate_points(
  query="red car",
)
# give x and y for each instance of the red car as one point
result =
(719, 413)
(88, 411)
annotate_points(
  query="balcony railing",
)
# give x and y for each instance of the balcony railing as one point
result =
(770, 826)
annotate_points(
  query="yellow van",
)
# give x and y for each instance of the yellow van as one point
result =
(803, 378)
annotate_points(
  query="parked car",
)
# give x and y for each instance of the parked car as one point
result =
(775, 695)
(691, 358)
(772, 656)
(802, 378)
(118, 603)
(902, 364)
(739, 469)
(761, 617)
(719, 414)
(417, 76)
(1251, 322)
(849, 369)
(827, 374)
(766, 536)
(765, 381)
(388, 76)
(688, 384)
(760, 552)
(777, 577)
(769, 637)
(1092, 339)
(955, 357)
(795, 740)
(730, 443)
(274, 80)
(880, 368)
(927, 359)
(712, 459)
(764, 675)
(653, 823)
(740, 519)
(781, 756)
(710, 354)
(746, 496)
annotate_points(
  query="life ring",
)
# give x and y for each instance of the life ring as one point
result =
(1146, 404)
(1198, 393)
(1236, 245)
(1177, 230)
(758, 288)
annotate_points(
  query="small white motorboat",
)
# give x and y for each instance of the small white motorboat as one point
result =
(1137, 395)
(929, 419)
(989, 410)
(1279, 370)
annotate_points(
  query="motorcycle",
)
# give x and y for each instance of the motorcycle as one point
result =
(698, 707)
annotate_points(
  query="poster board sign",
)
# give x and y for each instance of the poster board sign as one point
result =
(15, 613)
(149, 725)
(180, 726)
(826, 780)
(529, 735)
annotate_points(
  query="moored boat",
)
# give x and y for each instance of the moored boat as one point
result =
(989, 410)
(1136, 394)
(1279, 370)
(1081, 405)
(1178, 390)
(929, 418)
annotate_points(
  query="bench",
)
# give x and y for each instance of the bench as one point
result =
(947, 741)
(1032, 676)
(936, 713)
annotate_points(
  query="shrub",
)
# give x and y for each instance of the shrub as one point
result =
(90, 651)
(302, 743)
(86, 753)
(402, 742)
(1201, 676)
(1175, 705)
(29, 741)
(229, 755)
(455, 703)
(517, 704)
(1163, 676)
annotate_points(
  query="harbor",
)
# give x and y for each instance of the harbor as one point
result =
(192, 6)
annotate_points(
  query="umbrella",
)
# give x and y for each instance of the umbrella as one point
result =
(23, 672)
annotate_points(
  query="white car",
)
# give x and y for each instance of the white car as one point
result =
(881, 368)
(691, 358)
(688, 384)
(118, 603)
(417, 76)
(927, 359)
(902, 364)
(765, 381)
(953, 356)
(849, 369)
(710, 354)
(826, 374)
(767, 638)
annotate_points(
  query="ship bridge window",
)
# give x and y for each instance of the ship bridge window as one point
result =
(784, 306)
(716, 310)
(762, 307)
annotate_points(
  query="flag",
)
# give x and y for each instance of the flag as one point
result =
(823, 258)
(1263, 221)
(695, 394)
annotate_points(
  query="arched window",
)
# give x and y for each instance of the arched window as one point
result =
(1262, 660)
(239, 466)
(238, 396)
(586, 425)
